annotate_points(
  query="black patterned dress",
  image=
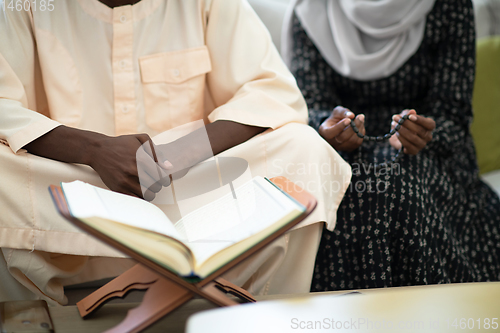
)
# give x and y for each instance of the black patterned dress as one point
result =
(428, 219)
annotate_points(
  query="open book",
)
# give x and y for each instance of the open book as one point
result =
(199, 243)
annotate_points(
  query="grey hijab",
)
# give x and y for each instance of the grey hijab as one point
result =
(361, 39)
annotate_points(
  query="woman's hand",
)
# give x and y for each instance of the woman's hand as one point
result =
(337, 130)
(414, 134)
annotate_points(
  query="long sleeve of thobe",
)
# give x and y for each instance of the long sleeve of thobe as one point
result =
(249, 82)
(20, 123)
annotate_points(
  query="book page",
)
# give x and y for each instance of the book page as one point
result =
(227, 220)
(85, 200)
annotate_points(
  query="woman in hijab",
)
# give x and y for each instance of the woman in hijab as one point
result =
(416, 211)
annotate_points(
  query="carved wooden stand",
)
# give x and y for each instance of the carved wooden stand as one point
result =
(165, 290)
(162, 297)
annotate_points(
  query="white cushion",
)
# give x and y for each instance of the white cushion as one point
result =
(271, 12)
(493, 179)
(487, 14)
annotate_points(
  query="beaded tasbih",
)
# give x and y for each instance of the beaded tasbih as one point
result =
(381, 138)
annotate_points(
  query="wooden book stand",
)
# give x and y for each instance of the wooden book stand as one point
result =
(166, 290)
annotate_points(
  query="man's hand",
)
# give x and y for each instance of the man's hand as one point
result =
(337, 129)
(113, 158)
(132, 164)
(128, 164)
(414, 134)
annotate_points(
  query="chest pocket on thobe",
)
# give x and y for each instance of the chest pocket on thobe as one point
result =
(173, 85)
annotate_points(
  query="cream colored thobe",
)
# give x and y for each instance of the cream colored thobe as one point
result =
(146, 68)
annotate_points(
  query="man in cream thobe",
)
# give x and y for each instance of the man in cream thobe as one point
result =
(146, 68)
